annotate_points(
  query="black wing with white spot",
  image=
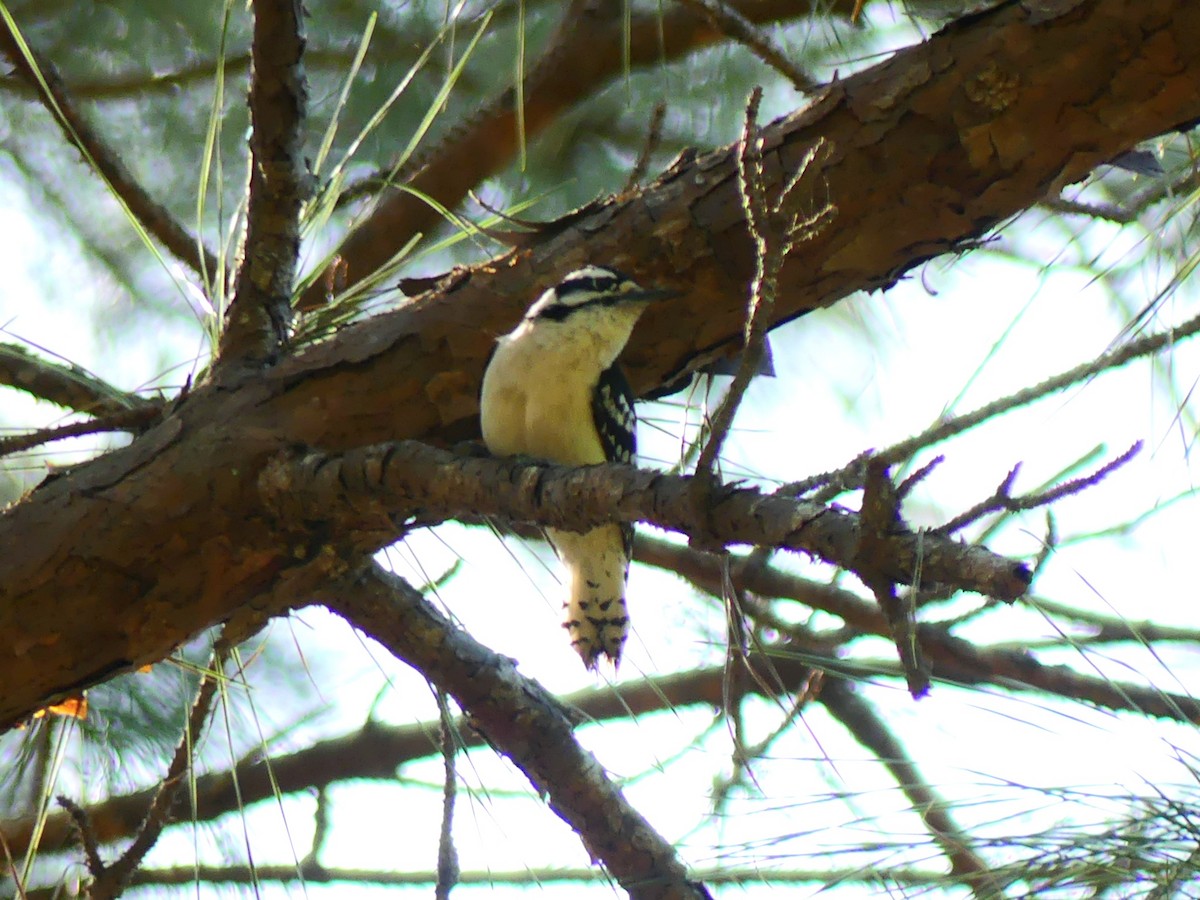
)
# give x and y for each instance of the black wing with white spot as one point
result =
(616, 423)
(612, 411)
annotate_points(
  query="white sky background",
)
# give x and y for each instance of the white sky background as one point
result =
(864, 374)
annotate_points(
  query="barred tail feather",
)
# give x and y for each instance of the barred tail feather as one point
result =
(597, 565)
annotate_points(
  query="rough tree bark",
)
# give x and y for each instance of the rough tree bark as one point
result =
(114, 563)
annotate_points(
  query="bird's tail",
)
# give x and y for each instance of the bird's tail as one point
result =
(597, 565)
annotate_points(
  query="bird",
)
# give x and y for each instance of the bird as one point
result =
(553, 390)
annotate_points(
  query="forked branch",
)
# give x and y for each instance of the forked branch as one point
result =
(775, 225)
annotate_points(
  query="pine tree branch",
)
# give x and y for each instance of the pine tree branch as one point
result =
(776, 222)
(129, 420)
(1110, 628)
(1002, 499)
(447, 857)
(69, 386)
(525, 723)
(100, 595)
(377, 750)
(197, 74)
(851, 476)
(110, 881)
(953, 659)
(1176, 184)
(530, 877)
(259, 317)
(730, 21)
(372, 493)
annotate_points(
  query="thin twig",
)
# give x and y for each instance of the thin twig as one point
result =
(905, 487)
(653, 138)
(830, 478)
(1112, 628)
(43, 77)
(111, 881)
(850, 476)
(320, 829)
(1126, 213)
(199, 74)
(1002, 499)
(129, 420)
(528, 878)
(762, 292)
(447, 865)
(86, 835)
(775, 226)
(881, 518)
(863, 722)
(1109, 212)
(728, 20)
(953, 659)
(768, 681)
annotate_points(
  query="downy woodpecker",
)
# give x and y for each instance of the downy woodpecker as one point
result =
(553, 390)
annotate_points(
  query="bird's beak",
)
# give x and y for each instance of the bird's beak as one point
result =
(649, 295)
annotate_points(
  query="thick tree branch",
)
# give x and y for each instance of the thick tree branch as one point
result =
(523, 722)
(260, 312)
(128, 555)
(364, 492)
(44, 79)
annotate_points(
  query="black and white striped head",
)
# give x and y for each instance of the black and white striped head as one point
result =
(593, 291)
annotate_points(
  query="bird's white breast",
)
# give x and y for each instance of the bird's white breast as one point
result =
(536, 387)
